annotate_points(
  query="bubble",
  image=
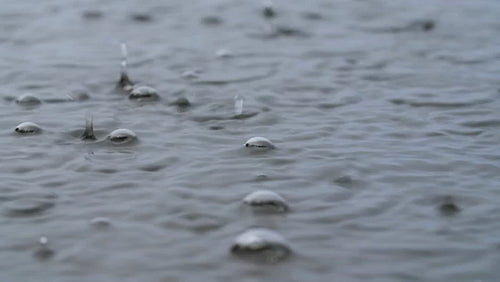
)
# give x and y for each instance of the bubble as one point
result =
(181, 102)
(122, 136)
(28, 100)
(142, 93)
(224, 53)
(28, 128)
(266, 199)
(259, 142)
(190, 74)
(261, 244)
(100, 222)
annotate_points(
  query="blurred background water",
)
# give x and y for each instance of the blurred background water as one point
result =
(384, 115)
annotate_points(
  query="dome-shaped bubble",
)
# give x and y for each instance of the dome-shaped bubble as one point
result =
(261, 243)
(122, 136)
(259, 142)
(143, 93)
(28, 128)
(267, 200)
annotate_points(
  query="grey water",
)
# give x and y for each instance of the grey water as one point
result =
(384, 115)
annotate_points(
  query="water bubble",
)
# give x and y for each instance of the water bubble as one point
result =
(268, 200)
(28, 100)
(100, 222)
(259, 142)
(122, 136)
(28, 128)
(262, 244)
(190, 74)
(142, 93)
(224, 53)
(181, 102)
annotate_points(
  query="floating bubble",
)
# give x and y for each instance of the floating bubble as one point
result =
(261, 243)
(224, 53)
(267, 200)
(100, 222)
(28, 128)
(122, 136)
(259, 142)
(190, 74)
(142, 93)
(28, 100)
(181, 102)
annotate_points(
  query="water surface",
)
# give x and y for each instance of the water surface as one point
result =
(384, 116)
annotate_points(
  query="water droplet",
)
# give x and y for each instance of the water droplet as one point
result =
(43, 251)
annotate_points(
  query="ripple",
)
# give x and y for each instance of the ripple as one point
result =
(28, 206)
(439, 104)
(482, 123)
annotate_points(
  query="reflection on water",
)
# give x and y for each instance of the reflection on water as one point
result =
(384, 116)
